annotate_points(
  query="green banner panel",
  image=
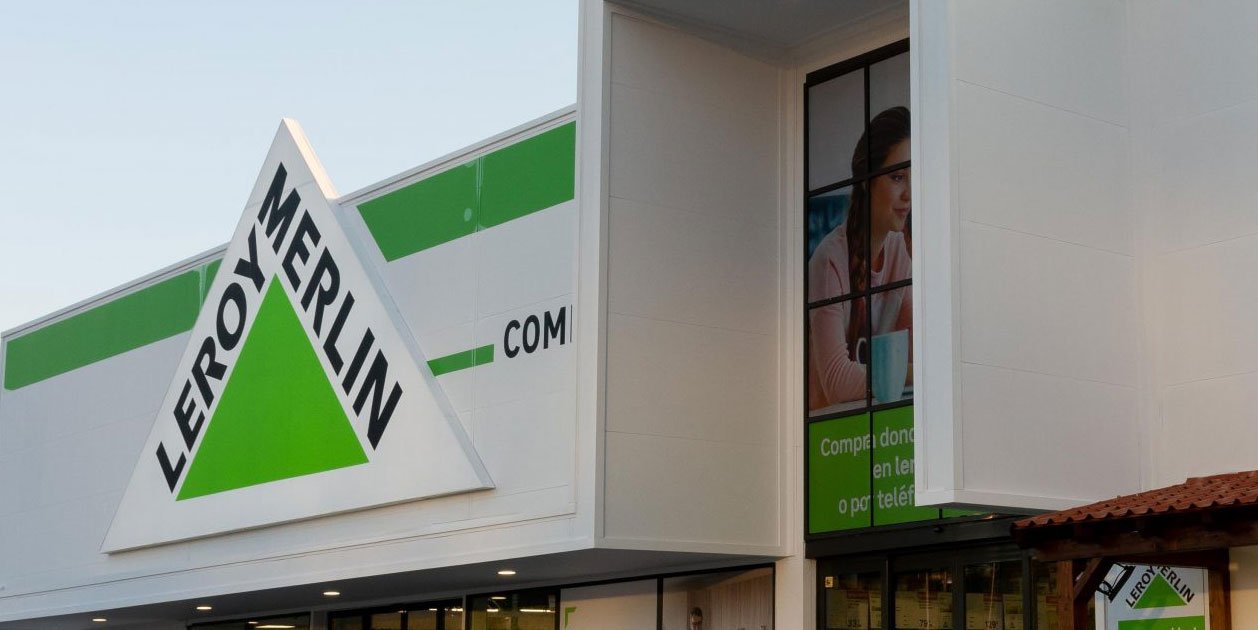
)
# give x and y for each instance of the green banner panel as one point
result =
(1168, 623)
(512, 182)
(893, 469)
(425, 214)
(838, 474)
(528, 176)
(462, 360)
(151, 314)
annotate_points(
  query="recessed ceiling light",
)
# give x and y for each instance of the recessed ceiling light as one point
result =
(99, 619)
(331, 593)
(205, 608)
(498, 597)
(276, 626)
(506, 572)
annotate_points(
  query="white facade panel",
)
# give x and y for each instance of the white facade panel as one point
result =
(1018, 424)
(1037, 304)
(1195, 118)
(692, 283)
(1067, 54)
(704, 494)
(1195, 186)
(1041, 170)
(1028, 262)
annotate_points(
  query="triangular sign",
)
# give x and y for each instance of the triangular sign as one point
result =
(1160, 594)
(301, 392)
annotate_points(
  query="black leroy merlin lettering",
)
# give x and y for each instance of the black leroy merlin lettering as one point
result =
(536, 332)
(311, 271)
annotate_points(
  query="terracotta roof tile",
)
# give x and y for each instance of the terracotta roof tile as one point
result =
(1194, 495)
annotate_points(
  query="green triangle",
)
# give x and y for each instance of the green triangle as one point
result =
(1160, 595)
(278, 417)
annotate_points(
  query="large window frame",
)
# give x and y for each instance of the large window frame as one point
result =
(887, 565)
(865, 295)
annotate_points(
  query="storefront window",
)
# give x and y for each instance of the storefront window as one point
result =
(1045, 596)
(923, 600)
(530, 610)
(984, 587)
(294, 622)
(710, 601)
(993, 596)
(445, 615)
(853, 601)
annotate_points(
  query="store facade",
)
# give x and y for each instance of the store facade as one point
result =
(682, 354)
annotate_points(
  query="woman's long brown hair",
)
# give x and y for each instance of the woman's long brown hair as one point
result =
(889, 128)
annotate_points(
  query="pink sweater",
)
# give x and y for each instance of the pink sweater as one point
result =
(832, 374)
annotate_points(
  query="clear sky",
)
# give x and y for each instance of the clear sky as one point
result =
(131, 132)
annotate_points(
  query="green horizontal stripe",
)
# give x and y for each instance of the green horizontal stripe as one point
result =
(512, 182)
(151, 314)
(462, 360)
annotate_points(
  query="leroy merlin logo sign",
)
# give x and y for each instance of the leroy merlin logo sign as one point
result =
(1159, 598)
(1160, 588)
(300, 392)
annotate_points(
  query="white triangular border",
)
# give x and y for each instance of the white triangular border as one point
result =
(424, 452)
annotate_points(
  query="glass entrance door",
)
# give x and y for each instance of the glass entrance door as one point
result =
(972, 588)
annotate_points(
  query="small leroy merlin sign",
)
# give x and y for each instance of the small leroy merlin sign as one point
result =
(1158, 598)
(301, 392)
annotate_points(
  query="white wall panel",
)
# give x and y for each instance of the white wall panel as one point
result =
(675, 152)
(1199, 178)
(694, 268)
(1067, 54)
(1027, 274)
(1189, 59)
(1036, 304)
(528, 260)
(693, 286)
(1206, 298)
(529, 441)
(681, 380)
(440, 288)
(1195, 103)
(645, 55)
(675, 489)
(1033, 431)
(1042, 170)
(1209, 428)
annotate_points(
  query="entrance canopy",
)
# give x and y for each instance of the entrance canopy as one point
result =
(1188, 524)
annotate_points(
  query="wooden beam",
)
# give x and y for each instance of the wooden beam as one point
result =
(1176, 540)
(1093, 574)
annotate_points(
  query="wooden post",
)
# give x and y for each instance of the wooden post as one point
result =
(1218, 585)
(1065, 595)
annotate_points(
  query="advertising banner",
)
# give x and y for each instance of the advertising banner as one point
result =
(1155, 597)
(301, 391)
